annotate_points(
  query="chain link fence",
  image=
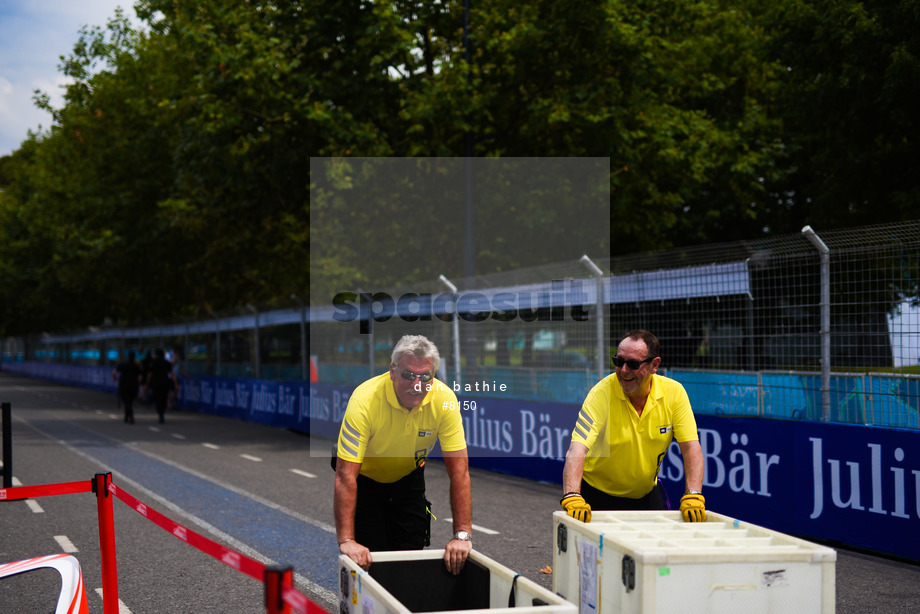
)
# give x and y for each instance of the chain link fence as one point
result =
(818, 326)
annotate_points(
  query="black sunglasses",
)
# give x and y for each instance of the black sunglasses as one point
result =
(411, 375)
(618, 362)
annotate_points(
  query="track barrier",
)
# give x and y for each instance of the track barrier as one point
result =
(280, 595)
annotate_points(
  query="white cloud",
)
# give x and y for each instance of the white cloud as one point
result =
(34, 35)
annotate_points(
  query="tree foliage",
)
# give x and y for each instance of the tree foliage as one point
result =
(848, 101)
(175, 179)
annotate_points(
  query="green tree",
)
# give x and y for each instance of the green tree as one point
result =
(848, 101)
(673, 93)
(177, 177)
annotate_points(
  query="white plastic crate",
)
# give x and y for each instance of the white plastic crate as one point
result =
(654, 562)
(417, 581)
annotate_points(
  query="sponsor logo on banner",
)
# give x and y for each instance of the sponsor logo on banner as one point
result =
(224, 395)
(242, 392)
(881, 468)
(263, 400)
(740, 469)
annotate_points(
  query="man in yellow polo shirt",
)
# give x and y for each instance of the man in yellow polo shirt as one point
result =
(391, 424)
(622, 433)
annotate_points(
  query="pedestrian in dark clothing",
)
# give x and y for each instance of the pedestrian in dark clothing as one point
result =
(160, 381)
(128, 383)
(145, 369)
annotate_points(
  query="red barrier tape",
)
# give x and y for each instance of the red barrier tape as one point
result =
(231, 558)
(45, 490)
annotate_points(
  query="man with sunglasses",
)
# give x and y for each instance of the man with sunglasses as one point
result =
(623, 431)
(390, 426)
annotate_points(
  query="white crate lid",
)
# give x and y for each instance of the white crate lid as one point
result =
(662, 537)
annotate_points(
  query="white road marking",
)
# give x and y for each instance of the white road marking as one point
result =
(254, 459)
(154, 429)
(65, 544)
(178, 436)
(325, 526)
(477, 528)
(122, 608)
(34, 506)
(211, 445)
(114, 417)
(16, 481)
(305, 474)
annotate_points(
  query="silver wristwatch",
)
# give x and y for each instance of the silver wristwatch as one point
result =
(693, 492)
(464, 535)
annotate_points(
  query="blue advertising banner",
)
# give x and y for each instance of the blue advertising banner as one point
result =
(827, 481)
(854, 484)
(858, 485)
(270, 403)
(97, 378)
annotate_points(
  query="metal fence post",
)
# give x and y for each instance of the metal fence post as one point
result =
(599, 289)
(825, 321)
(455, 328)
(370, 331)
(303, 337)
(257, 358)
(217, 343)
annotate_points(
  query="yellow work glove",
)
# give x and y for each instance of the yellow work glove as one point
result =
(693, 508)
(576, 507)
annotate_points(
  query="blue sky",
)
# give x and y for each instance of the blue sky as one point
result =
(33, 36)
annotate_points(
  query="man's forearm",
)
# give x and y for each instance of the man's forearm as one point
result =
(461, 505)
(693, 465)
(344, 504)
(574, 468)
(461, 497)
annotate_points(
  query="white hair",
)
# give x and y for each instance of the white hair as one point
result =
(418, 346)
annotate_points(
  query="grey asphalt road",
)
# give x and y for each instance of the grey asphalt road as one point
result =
(264, 492)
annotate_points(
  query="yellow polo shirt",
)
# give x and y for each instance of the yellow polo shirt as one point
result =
(625, 450)
(390, 441)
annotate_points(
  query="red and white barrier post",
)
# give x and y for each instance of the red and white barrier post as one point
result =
(107, 543)
(276, 580)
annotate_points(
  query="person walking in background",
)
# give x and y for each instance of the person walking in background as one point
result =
(128, 375)
(623, 430)
(160, 382)
(145, 370)
(178, 371)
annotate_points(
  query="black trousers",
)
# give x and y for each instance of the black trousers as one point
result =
(127, 398)
(160, 396)
(393, 516)
(656, 499)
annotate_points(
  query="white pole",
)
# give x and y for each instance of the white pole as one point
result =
(456, 328)
(825, 321)
(599, 291)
